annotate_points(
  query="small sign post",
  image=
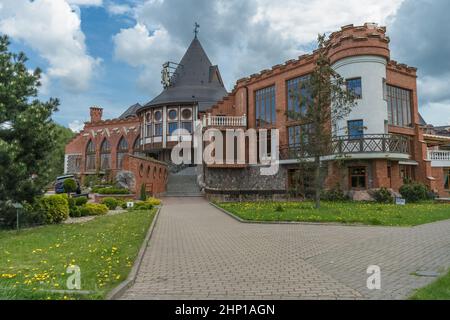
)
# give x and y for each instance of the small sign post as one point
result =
(400, 201)
(130, 204)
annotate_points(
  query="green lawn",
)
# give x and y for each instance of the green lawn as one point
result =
(34, 262)
(341, 212)
(438, 290)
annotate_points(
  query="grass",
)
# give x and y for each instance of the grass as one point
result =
(438, 290)
(33, 262)
(341, 212)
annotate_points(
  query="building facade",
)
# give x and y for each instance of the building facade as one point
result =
(383, 142)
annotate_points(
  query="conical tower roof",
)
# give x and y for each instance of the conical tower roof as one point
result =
(195, 80)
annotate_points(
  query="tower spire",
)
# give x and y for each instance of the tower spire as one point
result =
(196, 27)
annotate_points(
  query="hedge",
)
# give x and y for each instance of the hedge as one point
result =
(53, 209)
(93, 209)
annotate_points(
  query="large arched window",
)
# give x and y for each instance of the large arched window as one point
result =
(122, 151)
(105, 155)
(90, 156)
(137, 148)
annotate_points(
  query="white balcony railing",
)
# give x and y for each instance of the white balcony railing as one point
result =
(224, 121)
(438, 155)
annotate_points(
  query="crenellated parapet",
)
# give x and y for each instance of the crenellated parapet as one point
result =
(403, 68)
(369, 39)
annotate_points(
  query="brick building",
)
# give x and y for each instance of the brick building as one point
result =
(382, 143)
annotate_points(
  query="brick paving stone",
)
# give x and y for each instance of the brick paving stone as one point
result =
(198, 252)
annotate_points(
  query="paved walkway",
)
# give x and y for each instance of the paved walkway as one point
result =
(198, 252)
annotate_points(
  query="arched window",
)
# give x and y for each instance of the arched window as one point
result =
(105, 155)
(137, 148)
(90, 156)
(122, 151)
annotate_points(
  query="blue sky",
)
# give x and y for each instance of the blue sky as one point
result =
(109, 53)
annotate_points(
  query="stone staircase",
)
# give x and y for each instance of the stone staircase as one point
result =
(183, 184)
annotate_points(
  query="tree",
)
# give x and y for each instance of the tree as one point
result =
(70, 186)
(56, 165)
(27, 133)
(323, 102)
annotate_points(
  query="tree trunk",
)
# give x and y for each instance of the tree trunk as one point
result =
(317, 181)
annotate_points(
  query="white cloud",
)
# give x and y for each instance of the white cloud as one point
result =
(86, 2)
(436, 113)
(76, 126)
(118, 9)
(52, 28)
(242, 37)
(137, 47)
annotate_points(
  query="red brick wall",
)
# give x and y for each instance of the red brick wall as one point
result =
(152, 173)
(112, 130)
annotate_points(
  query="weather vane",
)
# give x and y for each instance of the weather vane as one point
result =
(197, 26)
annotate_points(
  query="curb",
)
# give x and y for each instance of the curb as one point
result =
(118, 291)
(331, 224)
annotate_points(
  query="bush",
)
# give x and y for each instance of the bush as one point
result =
(143, 194)
(75, 212)
(70, 185)
(382, 195)
(81, 201)
(153, 201)
(335, 194)
(142, 206)
(279, 208)
(111, 203)
(415, 192)
(93, 209)
(71, 202)
(110, 191)
(53, 209)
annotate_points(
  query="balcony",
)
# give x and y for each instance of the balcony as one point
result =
(224, 121)
(439, 158)
(365, 147)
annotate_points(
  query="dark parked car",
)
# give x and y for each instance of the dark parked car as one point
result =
(59, 184)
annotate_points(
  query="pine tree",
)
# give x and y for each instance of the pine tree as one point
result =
(27, 133)
(326, 102)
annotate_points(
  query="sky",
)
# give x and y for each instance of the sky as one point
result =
(109, 53)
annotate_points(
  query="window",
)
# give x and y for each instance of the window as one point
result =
(298, 135)
(187, 126)
(297, 97)
(355, 86)
(265, 107)
(355, 129)
(122, 150)
(407, 173)
(447, 179)
(149, 130)
(137, 147)
(358, 178)
(172, 127)
(186, 113)
(158, 115)
(105, 155)
(399, 106)
(172, 114)
(158, 129)
(90, 156)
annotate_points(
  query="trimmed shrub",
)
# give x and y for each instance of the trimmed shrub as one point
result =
(335, 194)
(75, 212)
(111, 203)
(142, 206)
(143, 193)
(53, 209)
(93, 209)
(70, 185)
(71, 202)
(153, 201)
(111, 191)
(382, 195)
(415, 192)
(81, 201)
